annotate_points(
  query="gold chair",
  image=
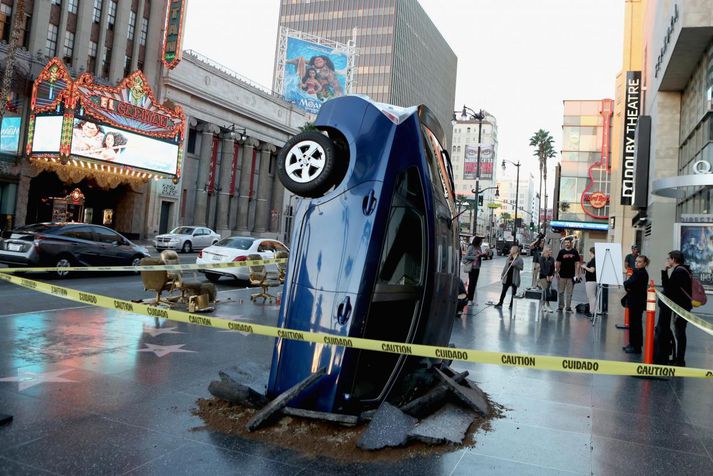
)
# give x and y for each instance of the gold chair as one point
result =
(259, 276)
(187, 288)
(282, 267)
(157, 281)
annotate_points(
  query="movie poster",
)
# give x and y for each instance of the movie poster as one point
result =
(313, 74)
(470, 164)
(697, 248)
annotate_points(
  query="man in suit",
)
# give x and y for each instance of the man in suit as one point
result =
(676, 280)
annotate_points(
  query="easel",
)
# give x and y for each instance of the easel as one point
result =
(600, 285)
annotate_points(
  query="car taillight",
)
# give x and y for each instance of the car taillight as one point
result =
(200, 254)
(240, 258)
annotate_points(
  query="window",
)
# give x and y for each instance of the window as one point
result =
(111, 16)
(144, 31)
(79, 232)
(68, 47)
(93, 49)
(97, 11)
(52, 40)
(72, 6)
(5, 19)
(132, 24)
(127, 65)
(105, 236)
(106, 62)
(56, 2)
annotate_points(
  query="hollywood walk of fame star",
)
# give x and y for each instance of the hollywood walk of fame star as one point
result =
(27, 379)
(153, 331)
(161, 350)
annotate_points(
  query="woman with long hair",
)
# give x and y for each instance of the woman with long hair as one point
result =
(636, 287)
(510, 277)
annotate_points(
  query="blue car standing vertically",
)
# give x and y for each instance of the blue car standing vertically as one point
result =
(374, 250)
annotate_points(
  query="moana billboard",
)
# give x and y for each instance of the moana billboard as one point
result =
(123, 126)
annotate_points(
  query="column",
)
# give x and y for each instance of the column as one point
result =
(81, 37)
(226, 165)
(118, 49)
(38, 32)
(264, 189)
(233, 214)
(137, 36)
(62, 33)
(207, 131)
(101, 42)
(244, 189)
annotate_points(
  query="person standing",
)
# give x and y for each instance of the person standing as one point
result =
(566, 268)
(630, 260)
(590, 283)
(472, 258)
(676, 280)
(546, 274)
(636, 287)
(510, 277)
(536, 252)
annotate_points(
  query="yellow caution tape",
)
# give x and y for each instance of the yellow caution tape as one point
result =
(541, 362)
(151, 267)
(687, 315)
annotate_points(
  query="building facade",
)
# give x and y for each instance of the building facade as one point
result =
(464, 158)
(673, 163)
(514, 193)
(106, 38)
(402, 58)
(584, 186)
(235, 129)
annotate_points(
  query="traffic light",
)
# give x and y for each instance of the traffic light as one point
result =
(532, 226)
(480, 201)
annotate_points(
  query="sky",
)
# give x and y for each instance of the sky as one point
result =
(517, 59)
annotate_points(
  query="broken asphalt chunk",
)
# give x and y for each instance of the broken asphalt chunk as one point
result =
(472, 396)
(447, 425)
(389, 427)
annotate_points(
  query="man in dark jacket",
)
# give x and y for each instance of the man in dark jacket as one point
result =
(676, 287)
(636, 287)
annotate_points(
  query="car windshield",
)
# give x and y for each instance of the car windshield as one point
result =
(237, 242)
(182, 230)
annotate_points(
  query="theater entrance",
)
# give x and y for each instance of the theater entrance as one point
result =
(85, 202)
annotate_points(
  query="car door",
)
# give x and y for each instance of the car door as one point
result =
(197, 238)
(112, 252)
(80, 244)
(205, 238)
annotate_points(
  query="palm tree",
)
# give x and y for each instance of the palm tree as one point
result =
(542, 142)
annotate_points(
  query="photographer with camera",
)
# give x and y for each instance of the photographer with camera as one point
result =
(566, 269)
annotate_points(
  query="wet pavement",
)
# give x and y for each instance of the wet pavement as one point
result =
(94, 391)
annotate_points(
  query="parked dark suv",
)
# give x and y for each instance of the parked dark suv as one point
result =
(374, 249)
(69, 244)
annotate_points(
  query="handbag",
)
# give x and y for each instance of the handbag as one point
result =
(467, 266)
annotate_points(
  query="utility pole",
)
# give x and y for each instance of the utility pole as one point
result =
(17, 23)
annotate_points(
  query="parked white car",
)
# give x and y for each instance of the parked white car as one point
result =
(237, 248)
(186, 239)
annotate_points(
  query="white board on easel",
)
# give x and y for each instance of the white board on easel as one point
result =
(610, 269)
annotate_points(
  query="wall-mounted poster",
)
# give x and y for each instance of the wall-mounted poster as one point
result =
(696, 244)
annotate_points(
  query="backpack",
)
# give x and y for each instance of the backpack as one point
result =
(698, 293)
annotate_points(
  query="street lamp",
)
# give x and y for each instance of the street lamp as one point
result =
(477, 192)
(517, 193)
(479, 116)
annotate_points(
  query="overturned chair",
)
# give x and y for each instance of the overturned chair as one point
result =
(156, 280)
(196, 295)
(260, 276)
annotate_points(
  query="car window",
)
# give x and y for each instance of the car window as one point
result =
(38, 228)
(280, 246)
(102, 235)
(402, 257)
(265, 246)
(182, 230)
(237, 242)
(78, 232)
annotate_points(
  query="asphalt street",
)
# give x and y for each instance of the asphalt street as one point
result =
(17, 300)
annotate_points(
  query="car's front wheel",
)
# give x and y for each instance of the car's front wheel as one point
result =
(187, 247)
(307, 164)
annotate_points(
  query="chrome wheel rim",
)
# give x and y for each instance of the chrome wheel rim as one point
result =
(63, 263)
(305, 161)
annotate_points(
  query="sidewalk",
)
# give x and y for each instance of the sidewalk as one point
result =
(100, 392)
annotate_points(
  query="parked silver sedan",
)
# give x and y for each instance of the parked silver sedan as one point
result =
(186, 239)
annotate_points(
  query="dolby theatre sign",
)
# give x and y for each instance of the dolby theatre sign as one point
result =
(632, 109)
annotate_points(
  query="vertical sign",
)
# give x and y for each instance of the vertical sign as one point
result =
(213, 165)
(173, 33)
(632, 109)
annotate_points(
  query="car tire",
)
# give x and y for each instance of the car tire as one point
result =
(308, 165)
(136, 261)
(212, 277)
(63, 261)
(187, 247)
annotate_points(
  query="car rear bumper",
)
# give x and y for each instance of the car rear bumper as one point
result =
(17, 259)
